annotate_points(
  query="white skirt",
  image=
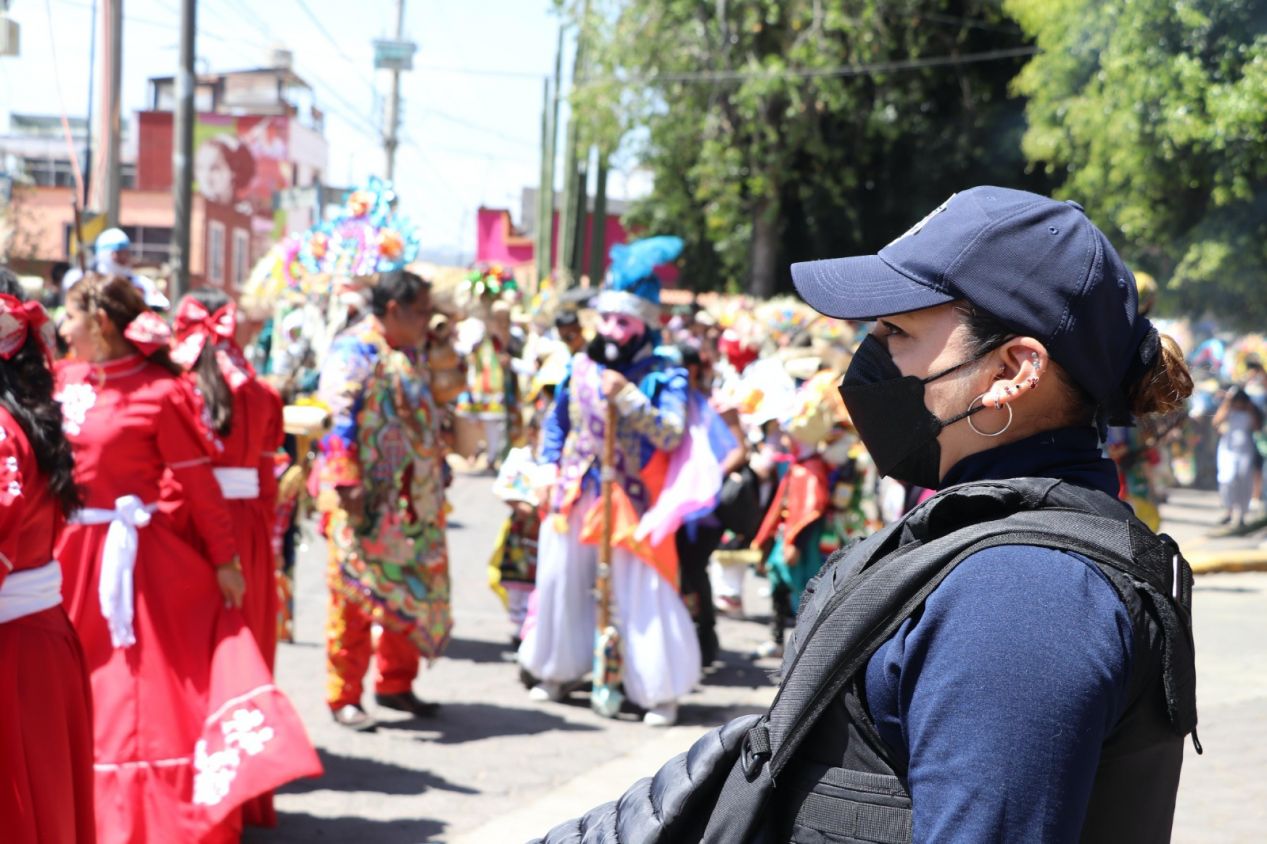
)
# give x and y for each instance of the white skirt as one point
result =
(660, 648)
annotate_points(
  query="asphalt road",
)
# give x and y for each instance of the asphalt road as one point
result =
(495, 767)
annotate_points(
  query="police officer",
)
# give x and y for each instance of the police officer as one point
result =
(1032, 693)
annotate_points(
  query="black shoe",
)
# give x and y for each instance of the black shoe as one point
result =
(408, 702)
(354, 718)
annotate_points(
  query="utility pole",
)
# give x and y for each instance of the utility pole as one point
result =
(541, 239)
(391, 136)
(598, 226)
(106, 182)
(549, 150)
(85, 200)
(183, 152)
(580, 208)
(566, 263)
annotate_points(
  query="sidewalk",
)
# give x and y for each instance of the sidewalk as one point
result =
(1192, 517)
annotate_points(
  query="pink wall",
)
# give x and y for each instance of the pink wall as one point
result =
(497, 243)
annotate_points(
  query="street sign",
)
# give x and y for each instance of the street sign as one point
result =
(394, 55)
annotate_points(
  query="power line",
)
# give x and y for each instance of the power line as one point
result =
(816, 73)
(481, 71)
(338, 48)
(490, 131)
(203, 32)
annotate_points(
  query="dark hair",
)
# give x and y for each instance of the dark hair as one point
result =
(690, 354)
(26, 391)
(400, 286)
(216, 395)
(118, 298)
(1163, 388)
(565, 318)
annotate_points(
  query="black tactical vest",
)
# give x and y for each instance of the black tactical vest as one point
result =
(838, 782)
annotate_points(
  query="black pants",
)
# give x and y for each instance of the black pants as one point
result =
(697, 590)
(783, 618)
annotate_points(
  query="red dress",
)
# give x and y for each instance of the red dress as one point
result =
(46, 730)
(249, 447)
(188, 723)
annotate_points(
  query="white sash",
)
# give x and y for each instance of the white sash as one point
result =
(30, 591)
(118, 560)
(238, 483)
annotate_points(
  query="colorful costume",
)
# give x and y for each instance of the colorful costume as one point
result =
(188, 723)
(391, 568)
(491, 394)
(660, 648)
(46, 794)
(795, 518)
(651, 497)
(512, 570)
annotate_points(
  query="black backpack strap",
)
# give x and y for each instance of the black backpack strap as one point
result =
(897, 570)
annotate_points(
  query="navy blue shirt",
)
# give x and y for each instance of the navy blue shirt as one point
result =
(999, 693)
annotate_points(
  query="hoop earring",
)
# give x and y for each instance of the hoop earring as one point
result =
(979, 432)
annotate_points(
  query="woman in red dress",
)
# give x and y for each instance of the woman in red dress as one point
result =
(46, 729)
(188, 723)
(245, 416)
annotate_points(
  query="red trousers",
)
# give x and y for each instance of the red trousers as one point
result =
(348, 648)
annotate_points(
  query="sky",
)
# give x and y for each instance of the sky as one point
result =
(471, 114)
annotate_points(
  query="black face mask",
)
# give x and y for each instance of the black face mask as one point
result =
(888, 411)
(618, 356)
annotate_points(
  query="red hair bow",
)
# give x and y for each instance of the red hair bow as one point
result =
(148, 332)
(195, 327)
(18, 320)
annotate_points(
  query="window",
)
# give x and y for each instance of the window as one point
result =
(241, 256)
(215, 253)
(151, 245)
(49, 172)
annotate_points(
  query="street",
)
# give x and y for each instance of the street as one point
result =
(494, 767)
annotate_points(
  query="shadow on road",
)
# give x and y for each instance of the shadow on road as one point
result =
(462, 722)
(356, 773)
(738, 671)
(295, 828)
(477, 650)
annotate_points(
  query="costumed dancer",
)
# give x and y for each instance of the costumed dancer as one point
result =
(491, 393)
(660, 650)
(157, 616)
(381, 481)
(792, 530)
(245, 416)
(512, 570)
(46, 794)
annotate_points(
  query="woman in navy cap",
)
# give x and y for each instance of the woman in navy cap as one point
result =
(955, 678)
(1007, 335)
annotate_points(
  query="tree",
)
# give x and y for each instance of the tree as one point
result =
(1153, 115)
(781, 130)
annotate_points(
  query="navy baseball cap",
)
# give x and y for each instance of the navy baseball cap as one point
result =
(1036, 264)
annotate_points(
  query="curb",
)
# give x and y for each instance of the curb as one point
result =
(1231, 560)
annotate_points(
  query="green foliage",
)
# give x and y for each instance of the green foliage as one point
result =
(765, 152)
(1153, 114)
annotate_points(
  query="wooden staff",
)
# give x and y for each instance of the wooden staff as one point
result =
(605, 696)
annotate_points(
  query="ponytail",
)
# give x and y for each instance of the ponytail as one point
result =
(1165, 386)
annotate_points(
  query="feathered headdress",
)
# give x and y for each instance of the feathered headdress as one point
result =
(632, 286)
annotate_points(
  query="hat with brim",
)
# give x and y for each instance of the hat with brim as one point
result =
(861, 287)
